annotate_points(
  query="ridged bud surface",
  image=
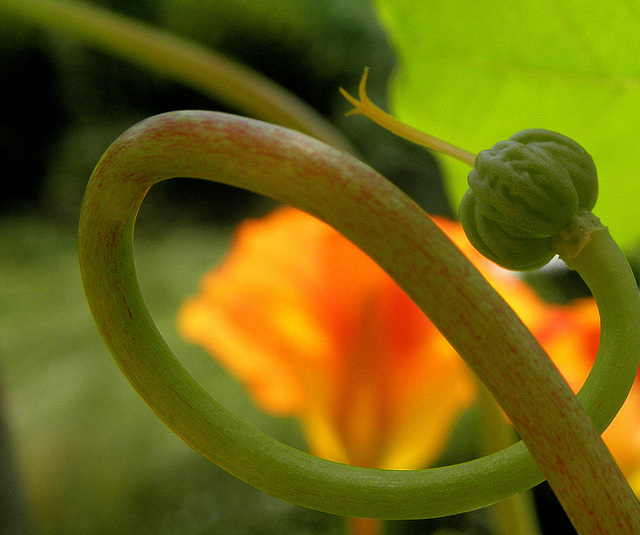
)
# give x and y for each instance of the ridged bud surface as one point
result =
(523, 191)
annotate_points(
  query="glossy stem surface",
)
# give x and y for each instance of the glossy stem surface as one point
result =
(371, 212)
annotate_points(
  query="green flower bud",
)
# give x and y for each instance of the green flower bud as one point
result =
(524, 191)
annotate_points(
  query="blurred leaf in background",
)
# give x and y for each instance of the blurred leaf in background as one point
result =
(474, 73)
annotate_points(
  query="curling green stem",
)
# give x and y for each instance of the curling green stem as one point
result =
(179, 59)
(605, 269)
(371, 212)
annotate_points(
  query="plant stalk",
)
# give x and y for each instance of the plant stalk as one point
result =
(376, 216)
(180, 59)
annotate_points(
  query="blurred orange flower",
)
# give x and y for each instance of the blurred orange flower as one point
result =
(316, 330)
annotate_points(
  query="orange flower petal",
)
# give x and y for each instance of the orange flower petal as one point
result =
(316, 329)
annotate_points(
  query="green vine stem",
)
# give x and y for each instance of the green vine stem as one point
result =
(189, 63)
(371, 212)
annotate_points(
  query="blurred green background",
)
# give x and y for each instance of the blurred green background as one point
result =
(91, 458)
(81, 453)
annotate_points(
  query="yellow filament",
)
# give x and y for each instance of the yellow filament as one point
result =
(365, 107)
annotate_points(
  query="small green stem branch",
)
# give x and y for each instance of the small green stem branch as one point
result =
(186, 62)
(371, 212)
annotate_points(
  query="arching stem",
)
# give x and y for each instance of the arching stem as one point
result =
(372, 213)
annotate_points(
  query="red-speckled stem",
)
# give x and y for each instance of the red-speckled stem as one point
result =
(371, 212)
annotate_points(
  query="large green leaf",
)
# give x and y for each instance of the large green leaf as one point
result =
(474, 73)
